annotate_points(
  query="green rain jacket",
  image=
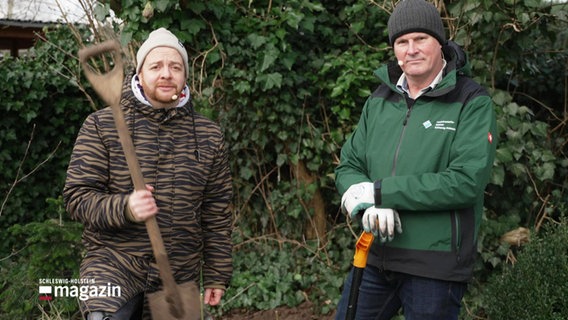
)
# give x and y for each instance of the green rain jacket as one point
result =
(434, 156)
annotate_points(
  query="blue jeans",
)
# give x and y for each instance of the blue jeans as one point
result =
(382, 294)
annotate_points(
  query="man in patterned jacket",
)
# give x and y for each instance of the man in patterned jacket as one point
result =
(189, 188)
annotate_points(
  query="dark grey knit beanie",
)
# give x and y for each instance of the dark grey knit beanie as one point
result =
(416, 16)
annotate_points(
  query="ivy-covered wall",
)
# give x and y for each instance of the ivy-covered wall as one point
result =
(42, 109)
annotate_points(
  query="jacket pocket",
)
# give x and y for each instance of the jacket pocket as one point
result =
(456, 233)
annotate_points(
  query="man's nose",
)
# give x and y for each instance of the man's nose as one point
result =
(165, 73)
(412, 47)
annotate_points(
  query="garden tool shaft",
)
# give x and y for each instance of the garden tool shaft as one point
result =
(359, 263)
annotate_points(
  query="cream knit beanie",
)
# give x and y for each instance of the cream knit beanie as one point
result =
(161, 38)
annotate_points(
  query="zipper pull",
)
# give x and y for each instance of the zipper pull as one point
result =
(406, 117)
(409, 104)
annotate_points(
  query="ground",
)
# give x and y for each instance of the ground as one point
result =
(302, 312)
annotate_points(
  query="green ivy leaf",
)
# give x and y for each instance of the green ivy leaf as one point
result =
(270, 56)
(545, 171)
(271, 80)
(498, 175)
(161, 5)
(294, 18)
(193, 26)
(256, 40)
(504, 155)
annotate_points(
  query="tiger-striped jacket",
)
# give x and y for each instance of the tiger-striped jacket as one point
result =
(183, 156)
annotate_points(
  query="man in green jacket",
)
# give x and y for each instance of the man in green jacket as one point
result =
(419, 161)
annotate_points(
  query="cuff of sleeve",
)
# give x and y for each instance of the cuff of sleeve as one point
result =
(378, 185)
(215, 286)
(128, 213)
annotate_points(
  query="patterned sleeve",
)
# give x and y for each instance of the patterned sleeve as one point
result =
(86, 194)
(217, 223)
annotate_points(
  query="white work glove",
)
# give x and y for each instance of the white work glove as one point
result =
(358, 197)
(381, 222)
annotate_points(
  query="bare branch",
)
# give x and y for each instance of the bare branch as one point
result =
(19, 179)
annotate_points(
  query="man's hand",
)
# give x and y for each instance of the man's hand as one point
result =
(213, 296)
(382, 223)
(142, 205)
(358, 197)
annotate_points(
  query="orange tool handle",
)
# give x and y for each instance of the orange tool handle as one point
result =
(362, 250)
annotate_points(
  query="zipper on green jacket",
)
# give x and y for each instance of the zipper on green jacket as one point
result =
(409, 105)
